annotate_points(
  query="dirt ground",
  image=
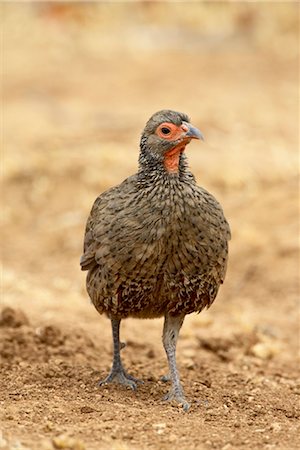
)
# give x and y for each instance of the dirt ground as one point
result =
(80, 81)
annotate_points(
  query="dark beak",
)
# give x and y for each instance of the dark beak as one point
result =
(193, 132)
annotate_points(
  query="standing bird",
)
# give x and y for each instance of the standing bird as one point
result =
(156, 244)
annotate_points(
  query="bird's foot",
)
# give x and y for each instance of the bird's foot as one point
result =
(177, 397)
(120, 376)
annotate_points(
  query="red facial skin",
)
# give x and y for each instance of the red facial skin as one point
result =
(171, 158)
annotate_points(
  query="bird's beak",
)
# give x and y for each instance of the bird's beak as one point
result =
(193, 132)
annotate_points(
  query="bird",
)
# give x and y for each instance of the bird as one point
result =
(156, 245)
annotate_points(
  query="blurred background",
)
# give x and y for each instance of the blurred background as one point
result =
(81, 80)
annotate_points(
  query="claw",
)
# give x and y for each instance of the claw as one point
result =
(179, 398)
(186, 406)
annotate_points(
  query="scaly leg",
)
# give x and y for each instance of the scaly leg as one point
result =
(118, 373)
(171, 329)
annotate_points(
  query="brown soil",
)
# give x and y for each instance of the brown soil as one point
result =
(76, 99)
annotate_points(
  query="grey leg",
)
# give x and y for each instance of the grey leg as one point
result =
(171, 329)
(118, 373)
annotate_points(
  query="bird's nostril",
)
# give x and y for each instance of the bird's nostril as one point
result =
(184, 127)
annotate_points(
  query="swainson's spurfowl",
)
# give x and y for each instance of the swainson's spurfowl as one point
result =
(156, 244)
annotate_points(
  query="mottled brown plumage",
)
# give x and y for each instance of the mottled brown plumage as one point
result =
(156, 245)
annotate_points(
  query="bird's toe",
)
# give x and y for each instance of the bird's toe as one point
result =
(107, 380)
(131, 378)
(165, 378)
(121, 377)
(178, 399)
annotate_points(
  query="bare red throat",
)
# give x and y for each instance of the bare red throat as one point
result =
(171, 159)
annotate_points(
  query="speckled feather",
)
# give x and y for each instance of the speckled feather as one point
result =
(156, 243)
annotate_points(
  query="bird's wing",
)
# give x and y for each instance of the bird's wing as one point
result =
(87, 260)
(213, 215)
(213, 235)
(104, 213)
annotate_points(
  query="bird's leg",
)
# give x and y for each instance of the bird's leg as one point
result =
(171, 329)
(118, 373)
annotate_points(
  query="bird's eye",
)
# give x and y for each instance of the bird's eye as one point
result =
(165, 130)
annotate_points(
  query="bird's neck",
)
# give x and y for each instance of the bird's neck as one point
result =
(173, 165)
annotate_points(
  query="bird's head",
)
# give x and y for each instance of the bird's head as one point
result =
(166, 135)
